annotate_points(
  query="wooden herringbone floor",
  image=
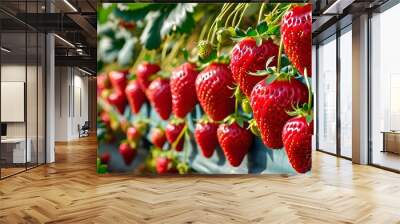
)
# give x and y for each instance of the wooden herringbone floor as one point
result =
(70, 191)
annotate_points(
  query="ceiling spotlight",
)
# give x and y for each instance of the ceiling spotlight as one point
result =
(5, 49)
(64, 40)
(70, 5)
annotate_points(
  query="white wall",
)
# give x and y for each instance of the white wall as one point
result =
(71, 94)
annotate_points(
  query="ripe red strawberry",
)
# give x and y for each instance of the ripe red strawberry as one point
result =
(206, 137)
(118, 80)
(248, 57)
(102, 83)
(214, 91)
(296, 135)
(159, 94)
(296, 33)
(172, 132)
(183, 89)
(135, 96)
(235, 141)
(270, 103)
(143, 73)
(118, 100)
(158, 137)
(164, 165)
(132, 134)
(105, 118)
(105, 158)
(127, 153)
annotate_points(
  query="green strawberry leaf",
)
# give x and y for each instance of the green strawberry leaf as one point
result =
(125, 55)
(259, 73)
(262, 27)
(284, 60)
(251, 32)
(128, 15)
(240, 122)
(285, 69)
(274, 30)
(136, 6)
(185, 54)
(151, 37)
(148, 58)
(179, 19)
(104, 13)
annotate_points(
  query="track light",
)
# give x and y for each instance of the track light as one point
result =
(5, 50)
(64, 40)
(70, 5)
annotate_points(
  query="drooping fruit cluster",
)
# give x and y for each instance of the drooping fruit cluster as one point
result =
(247, 57)
(257, 88)
(270, 103)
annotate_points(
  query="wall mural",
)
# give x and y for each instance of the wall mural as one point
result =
(204, 88)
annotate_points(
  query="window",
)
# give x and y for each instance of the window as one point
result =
(385, 89)
(327, 95)
(346, 92)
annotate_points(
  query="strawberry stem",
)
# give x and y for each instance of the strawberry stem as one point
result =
(239, 7)
(237, 98)
(175, 143)
(261, 12)
(221, 14)
(280, 15)
(308, 87)
(231, 14)
(241, 15)
(187, 139)
(204, 29)
(278, 68)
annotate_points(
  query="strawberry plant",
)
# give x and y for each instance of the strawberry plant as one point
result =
(180, 80)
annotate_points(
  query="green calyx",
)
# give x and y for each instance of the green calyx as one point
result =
(260, 32)
(254, 128)
(235, 118)
(224, 35)
(222, 59)
(307, 109)
(176, 121)
(303, 111)
(204, 120)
